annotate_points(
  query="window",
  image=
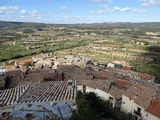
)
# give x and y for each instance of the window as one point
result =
(110, 98)
(139, 109)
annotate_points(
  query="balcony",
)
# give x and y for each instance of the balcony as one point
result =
(137, 112)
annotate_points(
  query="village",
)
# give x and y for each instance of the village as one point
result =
(45, 87)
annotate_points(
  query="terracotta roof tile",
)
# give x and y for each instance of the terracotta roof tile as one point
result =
(49, 91)
(24, 61)
(9, 67)
(100, 84)
(142, 94)
(115, 92)
(146, 76)
(122, 83)
(154, 108)
(14, 73)
(126, 68)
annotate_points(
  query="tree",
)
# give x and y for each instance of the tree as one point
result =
(27, 64)
(99, 107)
(128, 117)
(91, 107)
(84, 111)
(28, 30)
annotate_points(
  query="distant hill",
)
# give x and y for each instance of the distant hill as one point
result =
(115, 25)
(89, 26)
(4, 24)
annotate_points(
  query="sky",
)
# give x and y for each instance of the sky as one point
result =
(80, 11)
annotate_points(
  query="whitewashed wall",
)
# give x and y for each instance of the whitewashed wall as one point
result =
(128, 106)
(89, 89)
(80, 88)
(103, 95)
(148, 116)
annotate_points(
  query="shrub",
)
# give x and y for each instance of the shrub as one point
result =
(28, 30)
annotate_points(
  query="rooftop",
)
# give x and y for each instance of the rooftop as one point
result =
(154, 108)
(24, 61)
(103, 85)
(10, 67)
(49, 91)
(10, 96)
(115, 92)
(141, 93)
(43, 110)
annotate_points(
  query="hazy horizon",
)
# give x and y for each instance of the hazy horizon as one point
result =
(77, 23)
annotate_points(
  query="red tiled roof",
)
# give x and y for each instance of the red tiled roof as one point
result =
(126, 68)
(141, 94)
(9, 67)
(154, 108)
(146, 76)
(25, 61)
(122, 83)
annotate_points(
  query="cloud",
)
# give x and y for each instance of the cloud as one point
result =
(49, 12)
(139, 11)
(77, 17)
(68, 18)
(8, 9)
(97, 1)
(91, 12)
(65, 18)
(80, 6)
(128, 9)
(117, 9)
(50, 0)
(149, 3)
(64, 8)
(23, 17)
(100, 12)
(35, 14)
(23, 11)
(103, 6)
